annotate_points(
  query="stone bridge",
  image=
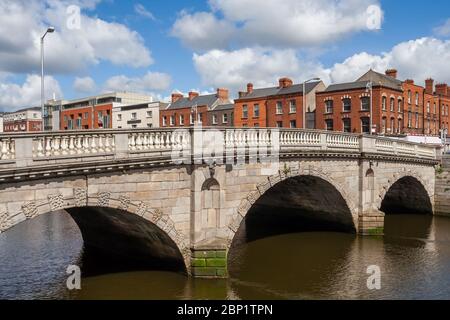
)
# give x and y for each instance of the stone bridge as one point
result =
(155, 198)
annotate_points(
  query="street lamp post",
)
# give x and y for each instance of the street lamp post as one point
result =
(304, 99)
(49, 30)
(369, 88)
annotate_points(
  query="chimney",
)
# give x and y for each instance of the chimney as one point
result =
(222, 93)
(391, 73)
(192, 95)
(285, 82)
(442, 89)
(409, 81)
(242, 94)
(429, 86)
(249, 87)
(176, 96)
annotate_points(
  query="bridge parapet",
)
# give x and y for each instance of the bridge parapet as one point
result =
(37, 149)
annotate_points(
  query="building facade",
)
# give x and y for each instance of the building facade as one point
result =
(280, 106)
(25, 120)
(144, 115)
(195, 108)
(221, 116)
(93, 112)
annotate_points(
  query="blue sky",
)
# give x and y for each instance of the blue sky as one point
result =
(159, 46)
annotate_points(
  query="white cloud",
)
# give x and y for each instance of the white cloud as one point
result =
(84, 85)
(443, 30)
(202, 30)
(152, 81)
(142, 11)
(273, 23)
(67, 50)
(417, 59)
(14, 96)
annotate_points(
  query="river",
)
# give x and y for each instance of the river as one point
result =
(413, 257)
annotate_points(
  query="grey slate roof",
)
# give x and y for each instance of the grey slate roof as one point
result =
(223, 107)
(347, 86)
(385, 80)
(275, 91)
(206, 100)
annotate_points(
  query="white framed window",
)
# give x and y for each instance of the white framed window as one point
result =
(172, 120)
(164, 121)
(119, 117)
(199, 118)
(225, 118)
(329, 106)
(191, 118)
(292, 106)
(244, 111)
(181, 119)
(256, 111)
(329, 125)
(347, 104)
(214, 118)
(149, 114)
(392, 104)
(383, 103)
(134, 116)
(279, 107)
(417, 98)
(293, 124)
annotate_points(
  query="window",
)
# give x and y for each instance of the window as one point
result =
(292, 106)
(329, 124)
(134, 126)
(428, 107)
(199, 118)
(279, 107)
(214, 118)
(417, 98)
(400, 125)
(434, 108)
(256, 125)
(149, 125)
(244, 111)
(383, 103)
(409, 119)
(119, 117)
(392, 125)
(134, 116)
(293, 124)
(86, 115)
(347, 124)
(417, 120)
(329, 106)
(172, 120)
(225, 118)
(100, 114)
(279, 124)
(181, 119)
(149, 114)
(409, 96)
(347, 104)
(191, 118)
(365, 104)
(365, 125)
(256, 111)
(383, 125)
(392, 104)
(399, 105)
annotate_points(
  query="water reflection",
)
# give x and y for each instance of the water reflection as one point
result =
(414, 257)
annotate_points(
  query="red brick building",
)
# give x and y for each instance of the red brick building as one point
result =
(182, 111)
(25, 120)
(280, 106)
(397, 107)
(346, 107)
(88, 117)
(442, 96)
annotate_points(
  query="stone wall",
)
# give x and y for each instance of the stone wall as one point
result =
(443, 188)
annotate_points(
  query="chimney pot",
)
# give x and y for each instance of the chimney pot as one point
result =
(249, 87)
(429, 86)
(192, 95)
(222, 93)
(391, 73)
(285, 82)
(176, 96)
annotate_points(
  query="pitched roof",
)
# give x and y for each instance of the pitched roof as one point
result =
(223, 107)
(384, 80)
(205, 100)
(275, 91)
(347, 86)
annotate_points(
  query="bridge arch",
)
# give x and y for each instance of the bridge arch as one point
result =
(406, 192)
(288, 174)
(121, 209)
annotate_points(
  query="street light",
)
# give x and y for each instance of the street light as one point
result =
(304, 99)
(49, 30)
(369, 88)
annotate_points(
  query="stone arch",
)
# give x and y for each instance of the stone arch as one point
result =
(288, 173)
(80, 199)
(383, 190)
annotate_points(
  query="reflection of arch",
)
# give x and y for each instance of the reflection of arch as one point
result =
(407, 195)
(101, 201)
(210, 216)
(262, 188)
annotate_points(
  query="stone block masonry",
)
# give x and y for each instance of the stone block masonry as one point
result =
(442, 188)
(209, 263)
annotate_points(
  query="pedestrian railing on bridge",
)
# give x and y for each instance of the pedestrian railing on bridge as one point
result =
(23, 150)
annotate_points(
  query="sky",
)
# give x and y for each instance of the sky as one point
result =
(158, 47)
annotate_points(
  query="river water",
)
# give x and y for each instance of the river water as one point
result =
(413, 257)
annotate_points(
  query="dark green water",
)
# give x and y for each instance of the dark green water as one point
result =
(414, 258)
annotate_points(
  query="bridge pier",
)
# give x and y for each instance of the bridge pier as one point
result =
(209, 262)
(371, 223)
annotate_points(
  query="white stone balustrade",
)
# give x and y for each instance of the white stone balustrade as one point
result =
(34, 148)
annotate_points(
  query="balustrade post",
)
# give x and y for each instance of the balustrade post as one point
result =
(23, 151)
(121, 145)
